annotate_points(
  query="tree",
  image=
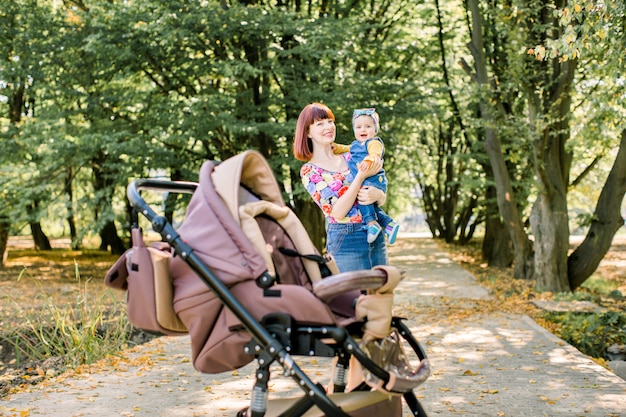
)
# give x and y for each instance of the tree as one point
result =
(450, 193)
(212, 79)
(157, 88)
(606, 221)
(548, 87)
(507, 204)
(21, 39)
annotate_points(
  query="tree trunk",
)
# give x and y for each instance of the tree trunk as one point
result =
(39, 237)
(69, 207)
(431, 209)
(172, 199)
(549, 219)
(505, 196)
(110, 239)
(458, 212)
(548, 224)
(607, 220)
(4, 239)
(104, 185)
(497, 247)
(16, 104)
(75, 244)
(313, 221)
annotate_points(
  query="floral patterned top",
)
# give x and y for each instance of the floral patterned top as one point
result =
(326, 187)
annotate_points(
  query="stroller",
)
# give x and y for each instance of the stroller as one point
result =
(241, 276)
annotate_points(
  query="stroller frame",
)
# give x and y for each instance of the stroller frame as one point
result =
(276, 338)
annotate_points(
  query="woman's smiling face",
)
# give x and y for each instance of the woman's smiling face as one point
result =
(322, 131)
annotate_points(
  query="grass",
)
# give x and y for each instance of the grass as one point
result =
(55, 313)
(603, 287)
(81, 331)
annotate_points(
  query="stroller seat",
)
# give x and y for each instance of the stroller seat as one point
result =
(248, 284)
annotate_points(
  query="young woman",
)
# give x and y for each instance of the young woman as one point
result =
(337, 192)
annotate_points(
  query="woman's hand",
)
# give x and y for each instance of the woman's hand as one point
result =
(367, 194)
(371, 195)
(346, 201)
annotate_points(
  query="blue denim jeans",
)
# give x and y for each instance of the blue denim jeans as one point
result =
(371, 212)
(347, 242)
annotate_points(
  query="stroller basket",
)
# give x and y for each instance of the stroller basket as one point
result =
(225, 294)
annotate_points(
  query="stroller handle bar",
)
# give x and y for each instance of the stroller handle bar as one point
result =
(134, 188)
(133, 192)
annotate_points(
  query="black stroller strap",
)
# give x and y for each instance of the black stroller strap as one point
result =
(321, 261)
(312, 257)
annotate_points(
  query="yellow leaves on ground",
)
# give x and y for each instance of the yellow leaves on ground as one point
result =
(548, 400)
(14, 412)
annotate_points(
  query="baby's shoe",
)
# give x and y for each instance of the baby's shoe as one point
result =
(391, 230)
(373, 230)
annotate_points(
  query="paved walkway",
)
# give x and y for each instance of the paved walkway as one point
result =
(483, 364)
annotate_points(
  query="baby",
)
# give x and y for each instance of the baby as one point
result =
(366, 147)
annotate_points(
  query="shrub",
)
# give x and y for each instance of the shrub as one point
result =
(591, 333)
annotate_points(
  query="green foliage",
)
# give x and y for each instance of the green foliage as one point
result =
(114, 90)
(603, 287)
(591, 333)
(159, 87)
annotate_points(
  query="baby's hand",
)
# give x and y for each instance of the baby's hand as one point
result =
(368, 161)
(364, 165)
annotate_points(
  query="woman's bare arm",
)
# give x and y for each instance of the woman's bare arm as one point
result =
(344, 203)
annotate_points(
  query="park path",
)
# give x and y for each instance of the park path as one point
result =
(484, 363)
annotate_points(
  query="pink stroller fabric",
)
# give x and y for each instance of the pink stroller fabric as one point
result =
(212, 230)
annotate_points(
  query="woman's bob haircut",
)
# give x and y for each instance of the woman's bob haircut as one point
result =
(302, 145)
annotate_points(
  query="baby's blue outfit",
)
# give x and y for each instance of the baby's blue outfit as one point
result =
(369, 212)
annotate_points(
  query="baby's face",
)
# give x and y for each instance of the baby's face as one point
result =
(364, 128)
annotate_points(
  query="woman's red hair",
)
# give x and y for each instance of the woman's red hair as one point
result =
(302, 145)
